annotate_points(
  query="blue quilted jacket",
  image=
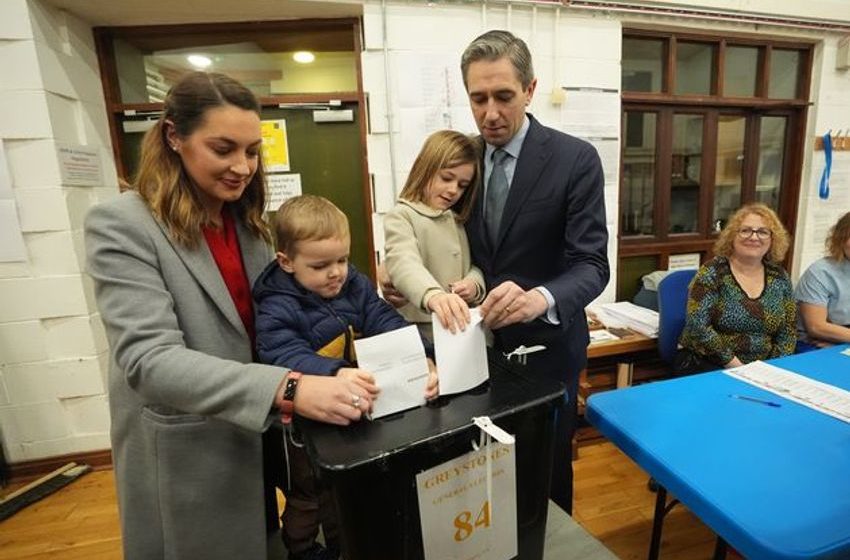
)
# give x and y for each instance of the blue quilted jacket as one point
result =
(305, 332)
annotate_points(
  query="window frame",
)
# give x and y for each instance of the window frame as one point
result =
(665, 104)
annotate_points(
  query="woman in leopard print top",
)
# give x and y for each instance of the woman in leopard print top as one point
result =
(741, 304)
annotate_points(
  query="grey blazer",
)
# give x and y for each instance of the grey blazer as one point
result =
(187, 405)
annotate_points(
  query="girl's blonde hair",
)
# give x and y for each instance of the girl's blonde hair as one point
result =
(441, 150)
(162, 180)
(724, 246)
(837, 238)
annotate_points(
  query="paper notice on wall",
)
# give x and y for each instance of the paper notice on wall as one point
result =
(683, 261)
(467, 506)
(609, 155)
(80, 166)
(821, 222)
(275, 146)
(428, 79)
(281, 187)
(591, 113)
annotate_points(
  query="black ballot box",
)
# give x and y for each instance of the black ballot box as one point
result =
(371, 467)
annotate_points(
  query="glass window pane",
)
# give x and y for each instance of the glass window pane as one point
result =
(263, 60)
(771, 144)
(643, 64)
(784, 73)
(729, 169)
(638, 181)
(685, 180)
(740, 71)
(694, 68)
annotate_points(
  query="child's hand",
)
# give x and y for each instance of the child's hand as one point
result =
(466, 289)
(361, 377)
(451, 310)
(432, 388)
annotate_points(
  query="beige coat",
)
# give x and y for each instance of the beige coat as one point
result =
(427, 250)
(187, 406)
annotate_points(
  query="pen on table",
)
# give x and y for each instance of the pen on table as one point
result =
(754, 399)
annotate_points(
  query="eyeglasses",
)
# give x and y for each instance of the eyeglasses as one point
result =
(761, 233)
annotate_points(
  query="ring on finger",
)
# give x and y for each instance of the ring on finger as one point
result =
(355, 400)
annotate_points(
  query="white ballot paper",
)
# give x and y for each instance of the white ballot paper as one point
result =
(397, 360)
(461, 357)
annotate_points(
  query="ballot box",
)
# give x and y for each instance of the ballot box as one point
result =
(371, 467)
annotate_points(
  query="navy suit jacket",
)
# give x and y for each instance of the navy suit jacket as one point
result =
(552, 234)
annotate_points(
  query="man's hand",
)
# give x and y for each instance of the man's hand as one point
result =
(508, 304)
(393, 296)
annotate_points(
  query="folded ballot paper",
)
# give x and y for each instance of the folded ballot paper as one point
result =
(461, 357)
(627, 314)
(397, 360)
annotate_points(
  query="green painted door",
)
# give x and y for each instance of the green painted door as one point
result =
(329, 158)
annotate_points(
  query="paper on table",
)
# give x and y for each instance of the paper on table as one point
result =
(397, 360)
(817, 395)
(461, 357)
(602, 335)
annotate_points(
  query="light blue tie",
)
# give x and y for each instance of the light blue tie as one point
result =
(497, 193)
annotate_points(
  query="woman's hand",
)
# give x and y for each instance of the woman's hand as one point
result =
(362, 377)
(432, 388)
(451, 310)
(466, 289)
(335, 400)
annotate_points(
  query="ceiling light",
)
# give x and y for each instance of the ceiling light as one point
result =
(199, 61)
(304, 57)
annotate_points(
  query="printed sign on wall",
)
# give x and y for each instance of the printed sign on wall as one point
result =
(275, 146)
(281, 187)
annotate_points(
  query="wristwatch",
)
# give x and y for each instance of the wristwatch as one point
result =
(287, 405)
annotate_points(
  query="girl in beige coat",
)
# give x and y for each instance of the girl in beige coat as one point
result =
(427, 257)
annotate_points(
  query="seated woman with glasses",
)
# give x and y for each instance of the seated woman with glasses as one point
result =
(823, 292)
(741, 305)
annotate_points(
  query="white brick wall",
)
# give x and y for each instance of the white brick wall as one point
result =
(53, 351)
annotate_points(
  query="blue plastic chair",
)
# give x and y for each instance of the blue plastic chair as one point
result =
(672, 310)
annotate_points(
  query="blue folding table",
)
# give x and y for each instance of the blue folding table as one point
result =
(774, 482)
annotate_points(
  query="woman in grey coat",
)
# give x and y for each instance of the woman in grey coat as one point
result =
(173, 261)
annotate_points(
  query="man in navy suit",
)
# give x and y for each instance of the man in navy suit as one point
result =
(545, 259)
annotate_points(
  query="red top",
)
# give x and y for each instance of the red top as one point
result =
(224, 246)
